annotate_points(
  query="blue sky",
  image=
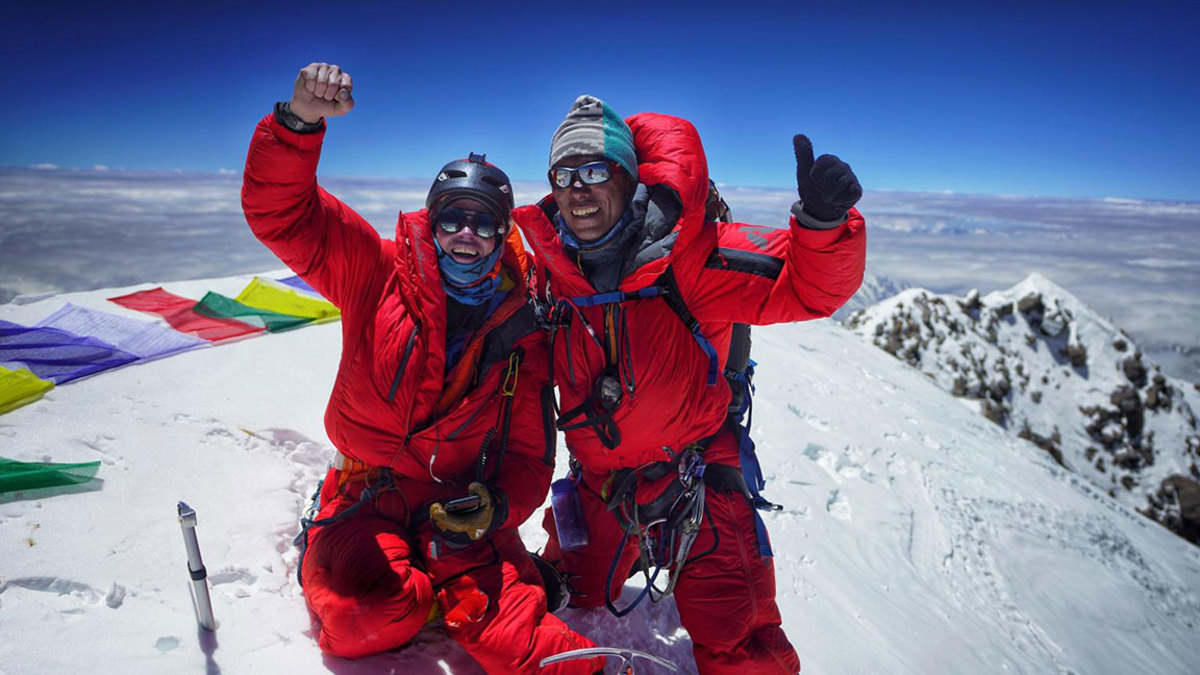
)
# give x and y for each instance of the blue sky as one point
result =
(1054, 98)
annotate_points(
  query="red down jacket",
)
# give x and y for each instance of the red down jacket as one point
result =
(726, 273)
(392, 405)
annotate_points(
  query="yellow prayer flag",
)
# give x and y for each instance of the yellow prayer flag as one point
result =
(18, 387)
(271, 297)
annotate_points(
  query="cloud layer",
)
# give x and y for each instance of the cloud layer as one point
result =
(1138, 262)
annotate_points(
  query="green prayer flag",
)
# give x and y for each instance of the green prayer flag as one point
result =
(16, 475)
(220, 306)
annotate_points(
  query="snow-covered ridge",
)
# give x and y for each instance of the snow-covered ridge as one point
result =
(874, 289)
(1037, 361)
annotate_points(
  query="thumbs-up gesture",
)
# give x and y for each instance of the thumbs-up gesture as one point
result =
(827, 187)
(322, 90)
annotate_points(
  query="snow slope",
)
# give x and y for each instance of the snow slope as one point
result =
(917, 537)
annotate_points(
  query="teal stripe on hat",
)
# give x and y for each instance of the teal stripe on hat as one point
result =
(618, 141)
(591, 127)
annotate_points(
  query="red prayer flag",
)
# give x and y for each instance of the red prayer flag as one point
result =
(179, 312)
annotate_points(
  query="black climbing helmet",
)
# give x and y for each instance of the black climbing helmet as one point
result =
(471, 178)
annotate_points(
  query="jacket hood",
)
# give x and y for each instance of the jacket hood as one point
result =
(674, 185)
(420, 279)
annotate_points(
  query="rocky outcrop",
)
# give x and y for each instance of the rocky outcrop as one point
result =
(1177, 506)
(1044, 365)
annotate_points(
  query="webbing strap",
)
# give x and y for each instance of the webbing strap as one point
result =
(748, 458)
(711, 352)
(670, 293)
(666, 289)
(615, 297)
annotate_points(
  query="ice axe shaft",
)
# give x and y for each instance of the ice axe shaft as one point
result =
(627, 656)
(199, 575)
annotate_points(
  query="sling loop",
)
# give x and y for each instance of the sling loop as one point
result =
(666, 539)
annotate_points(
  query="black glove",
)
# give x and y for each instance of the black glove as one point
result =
(827, 187)
(467, 526)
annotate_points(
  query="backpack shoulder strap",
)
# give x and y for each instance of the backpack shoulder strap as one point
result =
(668, 289)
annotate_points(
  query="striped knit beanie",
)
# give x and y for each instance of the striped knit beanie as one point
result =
(593, 128)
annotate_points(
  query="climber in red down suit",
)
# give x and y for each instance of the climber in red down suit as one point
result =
(440, 407)
(641, 292)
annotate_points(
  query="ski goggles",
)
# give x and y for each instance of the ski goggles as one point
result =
(592, 173)
(482, 223)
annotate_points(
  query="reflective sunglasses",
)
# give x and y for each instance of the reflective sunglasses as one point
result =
(592, 173)
(482, 223)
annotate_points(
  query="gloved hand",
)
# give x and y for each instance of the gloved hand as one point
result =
(827, 187)
(465, 527)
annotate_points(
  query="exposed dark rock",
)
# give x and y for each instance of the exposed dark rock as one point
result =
(1128, 460)
(1050, 444)
(1186, 494)
(1003, 310)
(1000, 387)
(1077, 354)
(960, 386)
(971, 303)
(1035, 396)
(1134, 370)
(1030, 304)
(1110, 436)
(1158, 396)
(1120, 345)
(994, 411)
(1127, 401)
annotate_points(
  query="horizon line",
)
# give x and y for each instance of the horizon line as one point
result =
(100, 169)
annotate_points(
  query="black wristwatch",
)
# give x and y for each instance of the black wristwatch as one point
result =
(285, 116)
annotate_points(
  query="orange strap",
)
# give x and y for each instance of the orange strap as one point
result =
(351, 470)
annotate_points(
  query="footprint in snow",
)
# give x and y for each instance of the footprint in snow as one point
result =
(83, 592)
(838, 506)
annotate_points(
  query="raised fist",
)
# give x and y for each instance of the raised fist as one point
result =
(322, 90)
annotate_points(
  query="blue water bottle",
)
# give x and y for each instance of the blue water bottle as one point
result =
(568, 514)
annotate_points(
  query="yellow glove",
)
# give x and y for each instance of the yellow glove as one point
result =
(472, 522)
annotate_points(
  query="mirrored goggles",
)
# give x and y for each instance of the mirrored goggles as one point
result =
(592, 173)
(482, 223)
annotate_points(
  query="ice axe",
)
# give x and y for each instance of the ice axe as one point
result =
(200, 598)
(627, 656)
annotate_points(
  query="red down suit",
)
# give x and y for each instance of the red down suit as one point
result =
(726, 273)
(412, 430)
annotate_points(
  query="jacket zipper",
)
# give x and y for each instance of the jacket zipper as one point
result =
(408, 349)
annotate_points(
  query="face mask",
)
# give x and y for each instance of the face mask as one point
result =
(470, 283)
